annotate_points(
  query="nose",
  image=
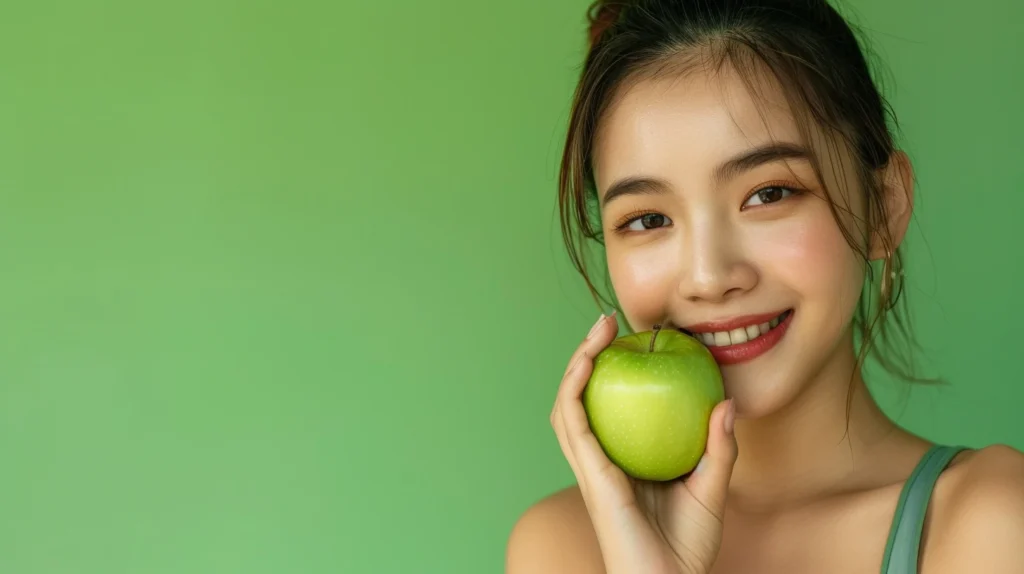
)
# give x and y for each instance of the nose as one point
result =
(719, 269)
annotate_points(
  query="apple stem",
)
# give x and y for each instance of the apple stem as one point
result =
(654, 336)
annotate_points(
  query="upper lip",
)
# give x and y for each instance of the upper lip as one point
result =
(733, 323)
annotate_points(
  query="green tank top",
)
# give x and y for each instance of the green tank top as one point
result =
(903, 547)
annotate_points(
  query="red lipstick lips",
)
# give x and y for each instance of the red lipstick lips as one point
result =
(742, 339)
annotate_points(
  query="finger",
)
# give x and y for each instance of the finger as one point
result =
(602, 333)
(589, 457)
(563, 443)
(709, 483)
(575, 379)
(568, 417)
(600, 336)
(570, 405)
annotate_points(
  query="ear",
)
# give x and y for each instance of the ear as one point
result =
(898, 195)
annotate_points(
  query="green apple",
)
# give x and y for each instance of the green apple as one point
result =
(649, 400)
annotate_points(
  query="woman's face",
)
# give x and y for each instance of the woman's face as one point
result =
(715, 223)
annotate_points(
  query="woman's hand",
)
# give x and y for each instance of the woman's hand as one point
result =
(644, 527)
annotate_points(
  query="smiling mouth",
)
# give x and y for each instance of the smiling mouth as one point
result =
(739, 335)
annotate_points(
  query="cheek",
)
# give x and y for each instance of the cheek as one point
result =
(812, 256)
(643, 278)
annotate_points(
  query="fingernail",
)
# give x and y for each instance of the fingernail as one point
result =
(730, 417)
(596, 325)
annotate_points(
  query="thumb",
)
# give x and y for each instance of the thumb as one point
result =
(709, 483)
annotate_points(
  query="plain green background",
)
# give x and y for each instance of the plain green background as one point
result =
(282, 288)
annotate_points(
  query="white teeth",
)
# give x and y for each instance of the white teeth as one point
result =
(737, 336)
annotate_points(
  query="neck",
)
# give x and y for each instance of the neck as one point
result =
(814, 446)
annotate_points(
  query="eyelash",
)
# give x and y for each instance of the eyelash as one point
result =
(788, 186)
(634, 215)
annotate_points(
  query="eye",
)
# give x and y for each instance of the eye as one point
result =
(646, 221)
(766, 195)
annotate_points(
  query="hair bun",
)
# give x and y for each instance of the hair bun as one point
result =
(601, 15)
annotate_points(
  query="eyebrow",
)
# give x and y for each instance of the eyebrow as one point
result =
(746, 161)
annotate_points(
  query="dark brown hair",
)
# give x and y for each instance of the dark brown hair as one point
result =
(821, 66)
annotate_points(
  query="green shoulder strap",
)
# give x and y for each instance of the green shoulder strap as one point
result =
(904, 544)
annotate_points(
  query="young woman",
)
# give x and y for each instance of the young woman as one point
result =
(734, 161)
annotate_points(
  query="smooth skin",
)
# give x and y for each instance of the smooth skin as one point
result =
(786, 486)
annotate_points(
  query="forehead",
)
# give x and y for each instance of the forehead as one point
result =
(691, 121)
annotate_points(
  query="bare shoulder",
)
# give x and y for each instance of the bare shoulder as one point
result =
(978, 521)
(554, 535)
